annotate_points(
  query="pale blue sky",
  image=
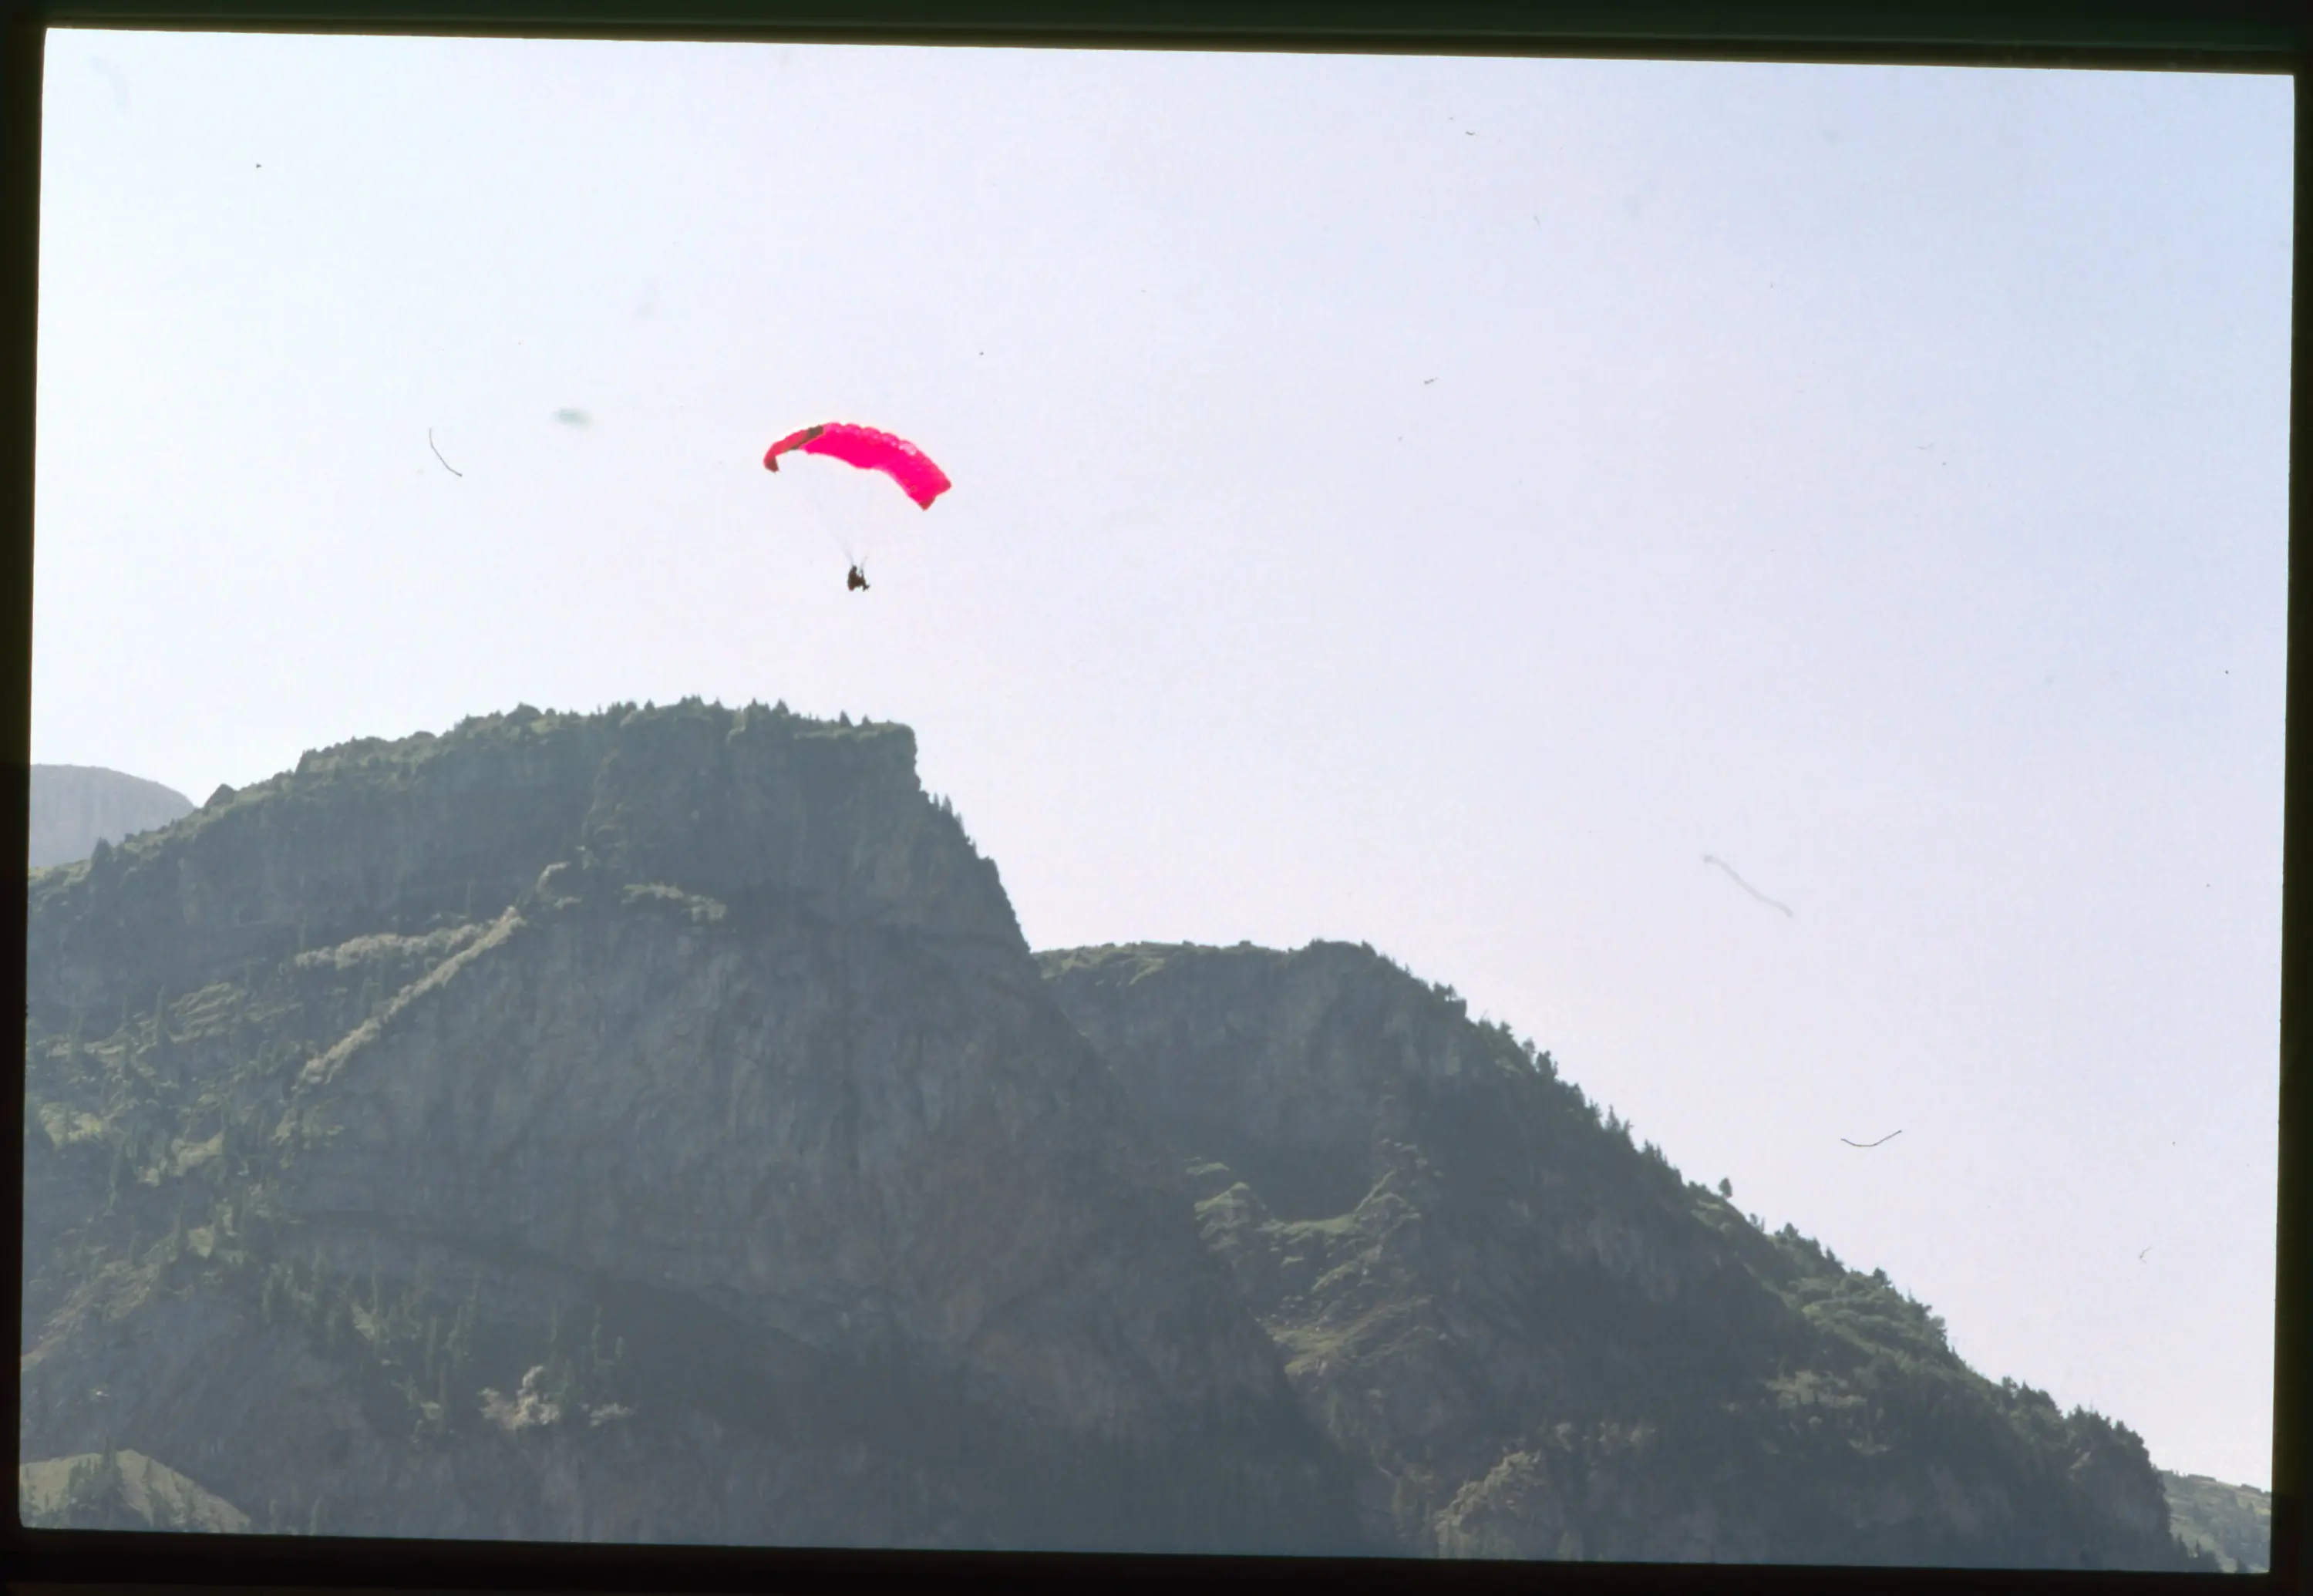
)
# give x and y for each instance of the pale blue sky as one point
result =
(1428, 502)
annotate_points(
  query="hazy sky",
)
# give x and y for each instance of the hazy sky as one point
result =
(1428, 502)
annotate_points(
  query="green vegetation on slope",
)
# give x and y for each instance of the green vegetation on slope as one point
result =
(1541, 1340)
(2231, 1524)
(120, 1490)
(571, 1126)
(417, 1143)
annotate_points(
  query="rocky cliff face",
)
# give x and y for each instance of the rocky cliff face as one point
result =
(652, 1126)
(1536, 1339)
(77, 806)
(643, 1127)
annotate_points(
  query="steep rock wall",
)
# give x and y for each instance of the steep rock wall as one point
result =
(647, 1126)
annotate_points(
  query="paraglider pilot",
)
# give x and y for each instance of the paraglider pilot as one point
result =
(856, 582)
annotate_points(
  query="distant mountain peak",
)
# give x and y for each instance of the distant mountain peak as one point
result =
(76, 807)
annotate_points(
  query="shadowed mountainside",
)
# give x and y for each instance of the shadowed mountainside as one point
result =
(2232, 1523)
(652, 1126)
(647, 1126)
(1536, 1338)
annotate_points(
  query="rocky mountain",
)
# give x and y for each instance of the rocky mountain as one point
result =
(644, 1126)
(652, 1126)
(77, 806)
(1534, 1338)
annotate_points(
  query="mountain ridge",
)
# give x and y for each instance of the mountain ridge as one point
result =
(653, 1125)
(1545, 1306)
(795, 1212)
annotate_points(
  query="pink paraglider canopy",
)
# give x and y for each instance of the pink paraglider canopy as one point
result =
(869, 450)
